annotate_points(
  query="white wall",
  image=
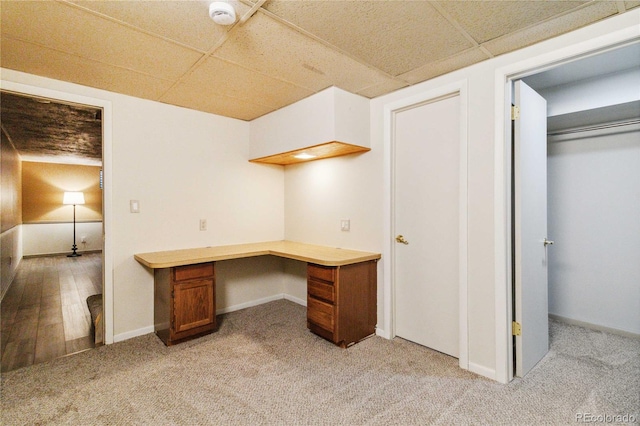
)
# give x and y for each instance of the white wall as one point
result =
(182, 165)
(241, 283)
(56, 238)
(594, 219)
(295, 282)
(319, 194)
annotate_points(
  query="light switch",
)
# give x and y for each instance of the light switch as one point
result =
(134, 206)
(345, 225)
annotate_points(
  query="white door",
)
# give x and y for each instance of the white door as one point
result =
(530, 228)
(426, 215)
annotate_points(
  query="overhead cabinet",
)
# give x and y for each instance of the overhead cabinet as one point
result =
(328, 124)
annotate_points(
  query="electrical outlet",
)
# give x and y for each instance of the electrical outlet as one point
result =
(203, 224)
(83, 239)
(345, 225)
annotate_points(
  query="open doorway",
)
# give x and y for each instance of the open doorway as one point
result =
(593, 117)
(56, 147)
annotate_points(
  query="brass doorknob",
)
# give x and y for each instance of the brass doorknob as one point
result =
(400, 239)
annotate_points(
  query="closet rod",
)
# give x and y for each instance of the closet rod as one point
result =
(592, 128)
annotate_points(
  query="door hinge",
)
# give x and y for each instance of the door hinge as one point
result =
(515, 112)
(517, 328)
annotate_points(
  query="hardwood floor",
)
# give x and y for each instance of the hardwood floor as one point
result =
(44, 314)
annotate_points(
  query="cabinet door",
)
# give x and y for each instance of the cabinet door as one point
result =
(194, 305)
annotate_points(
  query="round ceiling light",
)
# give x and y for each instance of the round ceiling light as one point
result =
(222, 13)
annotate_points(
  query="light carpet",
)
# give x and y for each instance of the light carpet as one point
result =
(264, 367)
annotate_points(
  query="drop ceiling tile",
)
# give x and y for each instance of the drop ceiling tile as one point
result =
(270, 47)
(68, 29)
(388, 86)
(394, 37)
(21, 56)
(208, 99)
(225, 79)
(551, 28)
(631, 4)
(486, 20)
(443, 66)
(185, 22)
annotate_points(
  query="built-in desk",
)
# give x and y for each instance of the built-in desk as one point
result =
(341, 288)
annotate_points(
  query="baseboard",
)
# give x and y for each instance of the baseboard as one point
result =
(481, 370)
(382, 333)
(131, 334)
(146, 330)
(294, 299)
(250, 304)
(31, 256)
(594, 326)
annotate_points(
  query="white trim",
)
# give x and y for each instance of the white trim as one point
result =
(107, 123)
(382, 333)
(294, 299)
(251, 304)
(133, 333)
(596, 327)
(502, 171)
(146, 330)
(482, 370)
(502, 238)
(458, 88)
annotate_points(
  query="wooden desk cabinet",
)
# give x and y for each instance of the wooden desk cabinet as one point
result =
(184, 302)
(341, 288)
(341, 301)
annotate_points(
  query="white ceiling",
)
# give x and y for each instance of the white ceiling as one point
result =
(279, 51)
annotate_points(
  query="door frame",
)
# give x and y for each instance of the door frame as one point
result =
(503, 250)
(107, 120)
(458, 88)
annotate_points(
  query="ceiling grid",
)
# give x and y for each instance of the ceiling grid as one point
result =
(277, 52)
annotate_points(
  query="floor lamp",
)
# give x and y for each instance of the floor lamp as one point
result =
(73, 198)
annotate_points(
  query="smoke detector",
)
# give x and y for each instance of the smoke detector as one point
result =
(222, 13)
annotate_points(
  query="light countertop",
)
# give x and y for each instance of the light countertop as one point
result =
(321, 255)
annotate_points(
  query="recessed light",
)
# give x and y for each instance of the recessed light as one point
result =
(304, 156)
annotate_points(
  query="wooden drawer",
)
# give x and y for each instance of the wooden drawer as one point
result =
(321, 290)
(189, 272)
(320, 313)
(324, 273)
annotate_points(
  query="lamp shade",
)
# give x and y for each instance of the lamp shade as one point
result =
(73, 198)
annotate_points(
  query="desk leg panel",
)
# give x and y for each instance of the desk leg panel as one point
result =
(162, 303)
(357, 302)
